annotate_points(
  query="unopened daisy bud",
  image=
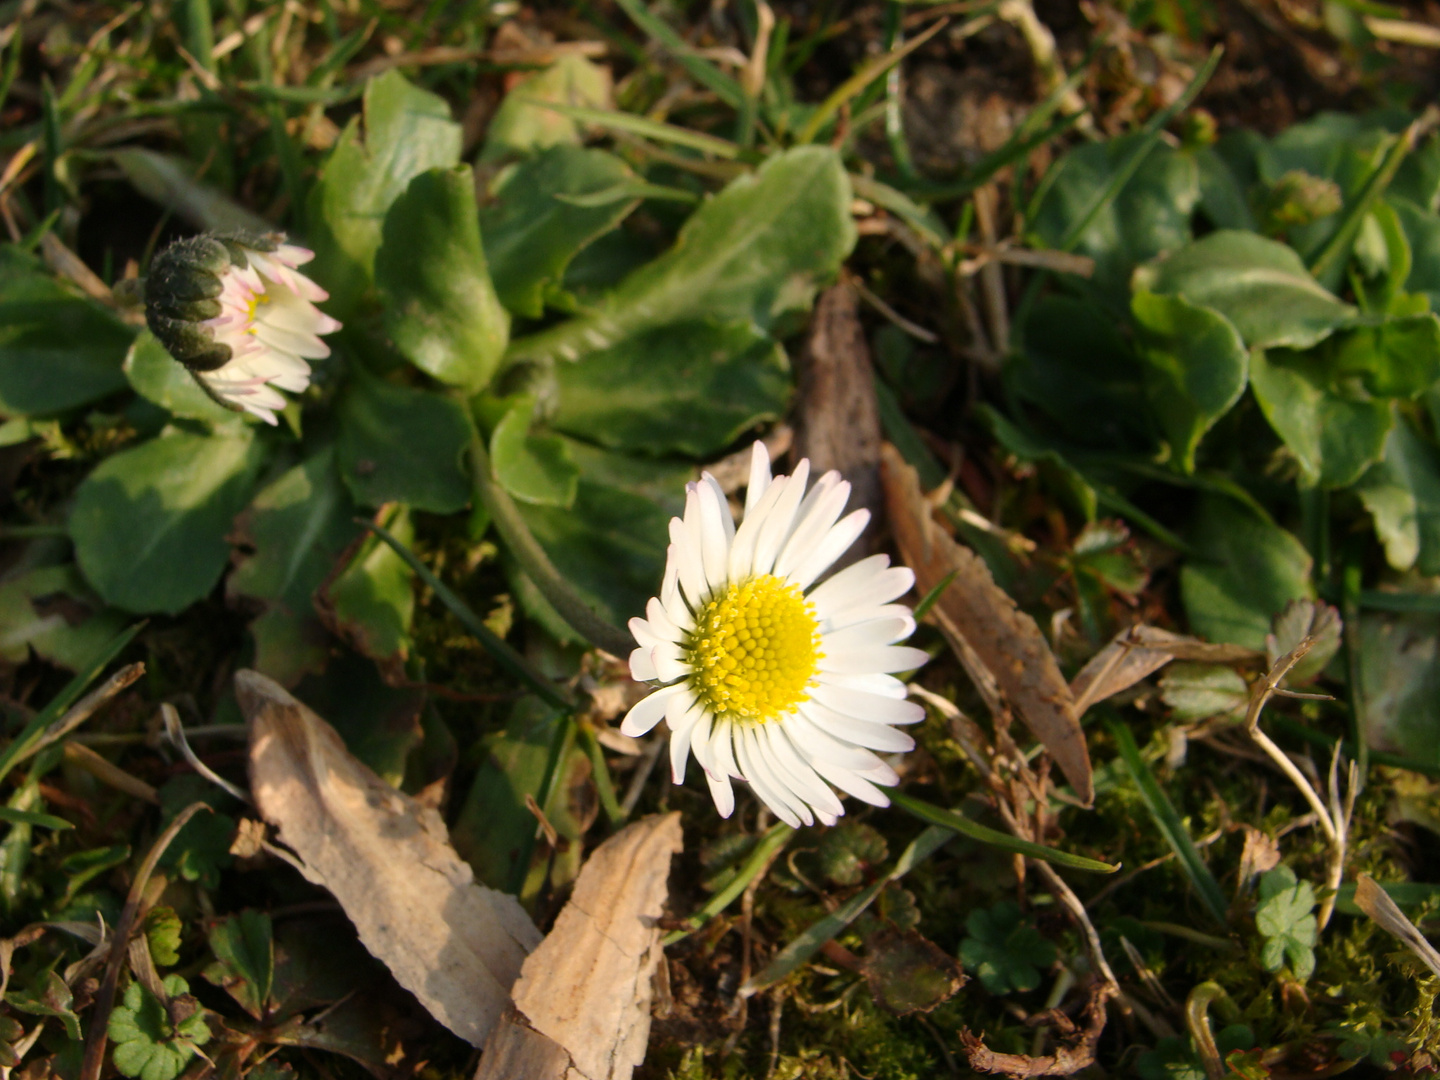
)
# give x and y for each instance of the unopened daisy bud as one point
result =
(763, 675)
(237, 313)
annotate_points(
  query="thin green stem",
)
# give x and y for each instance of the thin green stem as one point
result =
(604, 786)
(776, 838)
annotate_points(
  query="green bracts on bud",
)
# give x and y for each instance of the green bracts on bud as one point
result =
(181, 291)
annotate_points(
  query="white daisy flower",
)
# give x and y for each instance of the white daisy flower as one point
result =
(235, 310)
(765, 676)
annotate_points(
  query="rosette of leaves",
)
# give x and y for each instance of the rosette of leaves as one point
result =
(154, 1040)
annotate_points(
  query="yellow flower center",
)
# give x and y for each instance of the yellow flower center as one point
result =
(754, 649)
(256, 299)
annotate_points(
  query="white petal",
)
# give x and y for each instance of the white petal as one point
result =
(742, 548)
(852, 784)
(646, 712)
(669, 665)
(869, 707)
(852, 729)
(714, 543)
(870, 634)
(802, 778)
(775, 527)
(641, 668)
(867, 583)
(722, 793)
(811, 529)
(884, 685)
(874, 660)
(726, 517)
(836, 542)
(682, 724)
(661, 626)
(815, 744)
(771, 787)
(722, 748)
(670, 598)
(759, 476)
(700, 741)
(687, 562)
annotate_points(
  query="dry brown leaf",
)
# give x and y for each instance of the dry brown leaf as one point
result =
(837, 421)
(1138, 651)
(975, 611)
(456, 945)
(1376, 902)
(582, 1005)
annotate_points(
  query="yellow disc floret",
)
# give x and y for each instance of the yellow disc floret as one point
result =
(754, 649)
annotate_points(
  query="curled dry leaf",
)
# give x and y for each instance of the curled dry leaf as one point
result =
(1066, 1060)
(976, 614)
(455, 945)
(837, 422)
(582, 1005)
(1138, 651)
(1376, 902)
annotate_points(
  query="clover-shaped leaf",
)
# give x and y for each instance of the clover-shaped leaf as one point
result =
(153, 1042)
(848, 850)
(1003, 951)
(245, 964)
(1285, 918)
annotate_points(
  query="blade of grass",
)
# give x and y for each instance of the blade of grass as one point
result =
(894, 93)
(642, 126)
(559, 744)
(496, 646)
(774, 839)
(604, 785)
(1401, 603)
(808, 943)
(1149, 135)
(919, 218)
(949, 819)
(698, 68)
(1167, 820)
(867, 74)
(923, 608)
(199, 31)
(29, 738)
(1344, 237)
(12, 64)
(1351, 576)
(536, 564)
(33, 817)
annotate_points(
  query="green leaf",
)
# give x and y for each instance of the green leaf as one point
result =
(1399, 358)
(48, 996)
(1005, 952)
(1335, 439)
(1073, 363)
(33, 817)
(407, 130)
(689, 388)
(371, 603)
(1195, 367)
(758, 252)
(440, 306)
(53, 611)
(1260, 285)
(297, 527)
(849, 850)
(148, 1044)
(1199, 691)
(1285, 918)
(380, 724)
(245, 959)
(162, 935)
(150, 523)
(1150, 214)
(531, 234)
(521, 128)
(1245, 570)
(201, 850)
(1169, 823)
(58, 350)
(907, 973)
(399, 444)
(492, 829)
(156, 376)
(536, 469)
(1059, 475)
(1402, 494)
(1400, 683)
(610, 546)
(1422, 230)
